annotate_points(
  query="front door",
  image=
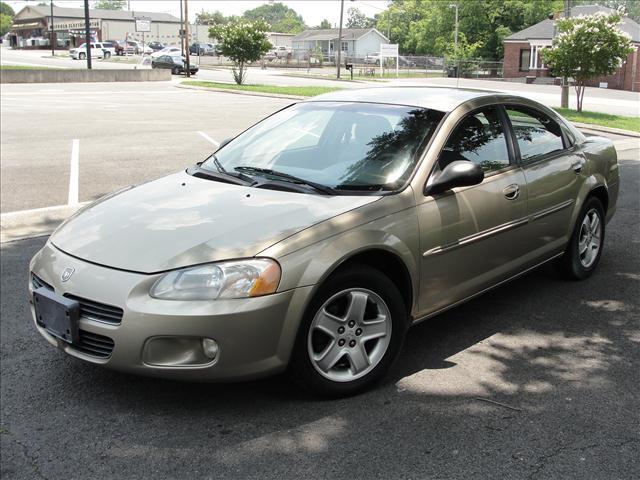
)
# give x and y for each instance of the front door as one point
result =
(472, 237)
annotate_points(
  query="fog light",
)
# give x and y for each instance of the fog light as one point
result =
(210, 347)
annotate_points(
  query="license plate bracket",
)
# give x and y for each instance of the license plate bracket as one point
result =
(58, 315)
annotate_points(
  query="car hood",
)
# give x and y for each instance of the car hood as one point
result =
(181, 220)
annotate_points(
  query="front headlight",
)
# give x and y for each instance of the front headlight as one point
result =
(235, 279)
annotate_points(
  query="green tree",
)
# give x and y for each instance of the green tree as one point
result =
(324, 25)
(587, 47)
(278, 17)
(212, 18)
(110, 4)
(242, 41)
(5, 24)
(6, 9)
(357, 19)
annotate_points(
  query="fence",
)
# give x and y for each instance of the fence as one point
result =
(369, 65)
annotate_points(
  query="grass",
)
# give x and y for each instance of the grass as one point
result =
(301, 91)
(603, 119)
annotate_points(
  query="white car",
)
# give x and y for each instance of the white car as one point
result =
(80, 53)
(372, 59)
(282, 51)
(170, 50)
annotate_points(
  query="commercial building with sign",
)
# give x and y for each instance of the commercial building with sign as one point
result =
(31, 27)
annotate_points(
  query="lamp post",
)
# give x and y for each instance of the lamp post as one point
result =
(51, 32)
(87, 33)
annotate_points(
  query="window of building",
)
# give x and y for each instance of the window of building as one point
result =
(537, 134)
(480, 139)
(345, 46)
(525, 59)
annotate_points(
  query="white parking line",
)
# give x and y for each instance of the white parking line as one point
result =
(209, 139)
(74, 172)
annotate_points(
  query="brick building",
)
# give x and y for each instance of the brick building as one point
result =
(522, 52)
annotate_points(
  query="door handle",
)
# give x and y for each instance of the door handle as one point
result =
(512, 191)
(577, 166)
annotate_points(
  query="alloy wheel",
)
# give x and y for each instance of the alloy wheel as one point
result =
(589, 238)
(349, 335)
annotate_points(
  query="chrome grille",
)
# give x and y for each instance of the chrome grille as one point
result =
(100, 312)
(93, 344)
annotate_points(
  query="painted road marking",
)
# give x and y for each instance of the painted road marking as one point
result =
(74, 172)
(209, 139)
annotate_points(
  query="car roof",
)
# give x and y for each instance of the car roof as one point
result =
(444, 99)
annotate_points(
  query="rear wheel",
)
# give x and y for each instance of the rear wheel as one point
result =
(82, 56)
(351, 333)
(175, 71)
(583, 252)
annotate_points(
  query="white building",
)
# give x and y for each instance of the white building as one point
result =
(31, 26)
(356, 42)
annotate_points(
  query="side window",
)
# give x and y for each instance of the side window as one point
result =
(536, 133)
(480, 139)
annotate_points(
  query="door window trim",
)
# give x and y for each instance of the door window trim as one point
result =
(566, 142)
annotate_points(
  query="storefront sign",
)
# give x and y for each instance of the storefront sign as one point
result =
(76, 25)
(143, 24)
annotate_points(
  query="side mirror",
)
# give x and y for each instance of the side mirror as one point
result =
(460, 173)
(224, 142)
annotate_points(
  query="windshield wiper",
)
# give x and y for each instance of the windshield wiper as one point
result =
(285, 176)
(223, 170)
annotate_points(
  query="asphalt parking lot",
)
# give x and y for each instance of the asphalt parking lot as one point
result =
(537, 379)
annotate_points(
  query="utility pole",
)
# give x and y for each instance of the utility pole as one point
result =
(339, 59)
(87, 33)
(181, 33)
(564, 89)
(455, 37)
(51, 33)
(186, 34)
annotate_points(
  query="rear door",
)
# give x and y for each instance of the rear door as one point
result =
(472, 237)
(553, 170)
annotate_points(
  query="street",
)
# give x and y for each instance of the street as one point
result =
(559, 357)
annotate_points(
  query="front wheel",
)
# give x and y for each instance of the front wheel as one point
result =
(351, 333)
(107, 55)
(585, 246)
(175, 71)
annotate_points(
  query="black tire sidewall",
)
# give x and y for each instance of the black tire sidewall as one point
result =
(571, 262)
(301, 368)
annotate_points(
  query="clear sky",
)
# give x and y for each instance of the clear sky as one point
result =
(313, 11)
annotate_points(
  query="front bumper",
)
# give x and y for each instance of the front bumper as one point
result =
(255, 335)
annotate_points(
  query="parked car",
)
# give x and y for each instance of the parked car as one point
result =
(372, 59)
(270, 56)
(156, 46)
(108, 48)
(201, 49)
(175, 63)
(168, 50)
(138, 48)
(118, 46)
(282, 51)
(313, 240)
(80, 53)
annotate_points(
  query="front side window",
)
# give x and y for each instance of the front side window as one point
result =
(348, 146)
(480, 139)
(535, 132)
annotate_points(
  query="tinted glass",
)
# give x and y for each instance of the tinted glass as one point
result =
(344, 145)
(480, 139)
(535, 132)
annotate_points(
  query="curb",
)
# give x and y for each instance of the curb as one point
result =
(600, 128)
(33, 223)
(241, 92)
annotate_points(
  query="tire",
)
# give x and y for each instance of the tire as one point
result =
(581, 256)
(360, 351)
(107, 55)
(82, 56)
(175, 71)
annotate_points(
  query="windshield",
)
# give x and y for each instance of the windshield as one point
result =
(345, 146)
